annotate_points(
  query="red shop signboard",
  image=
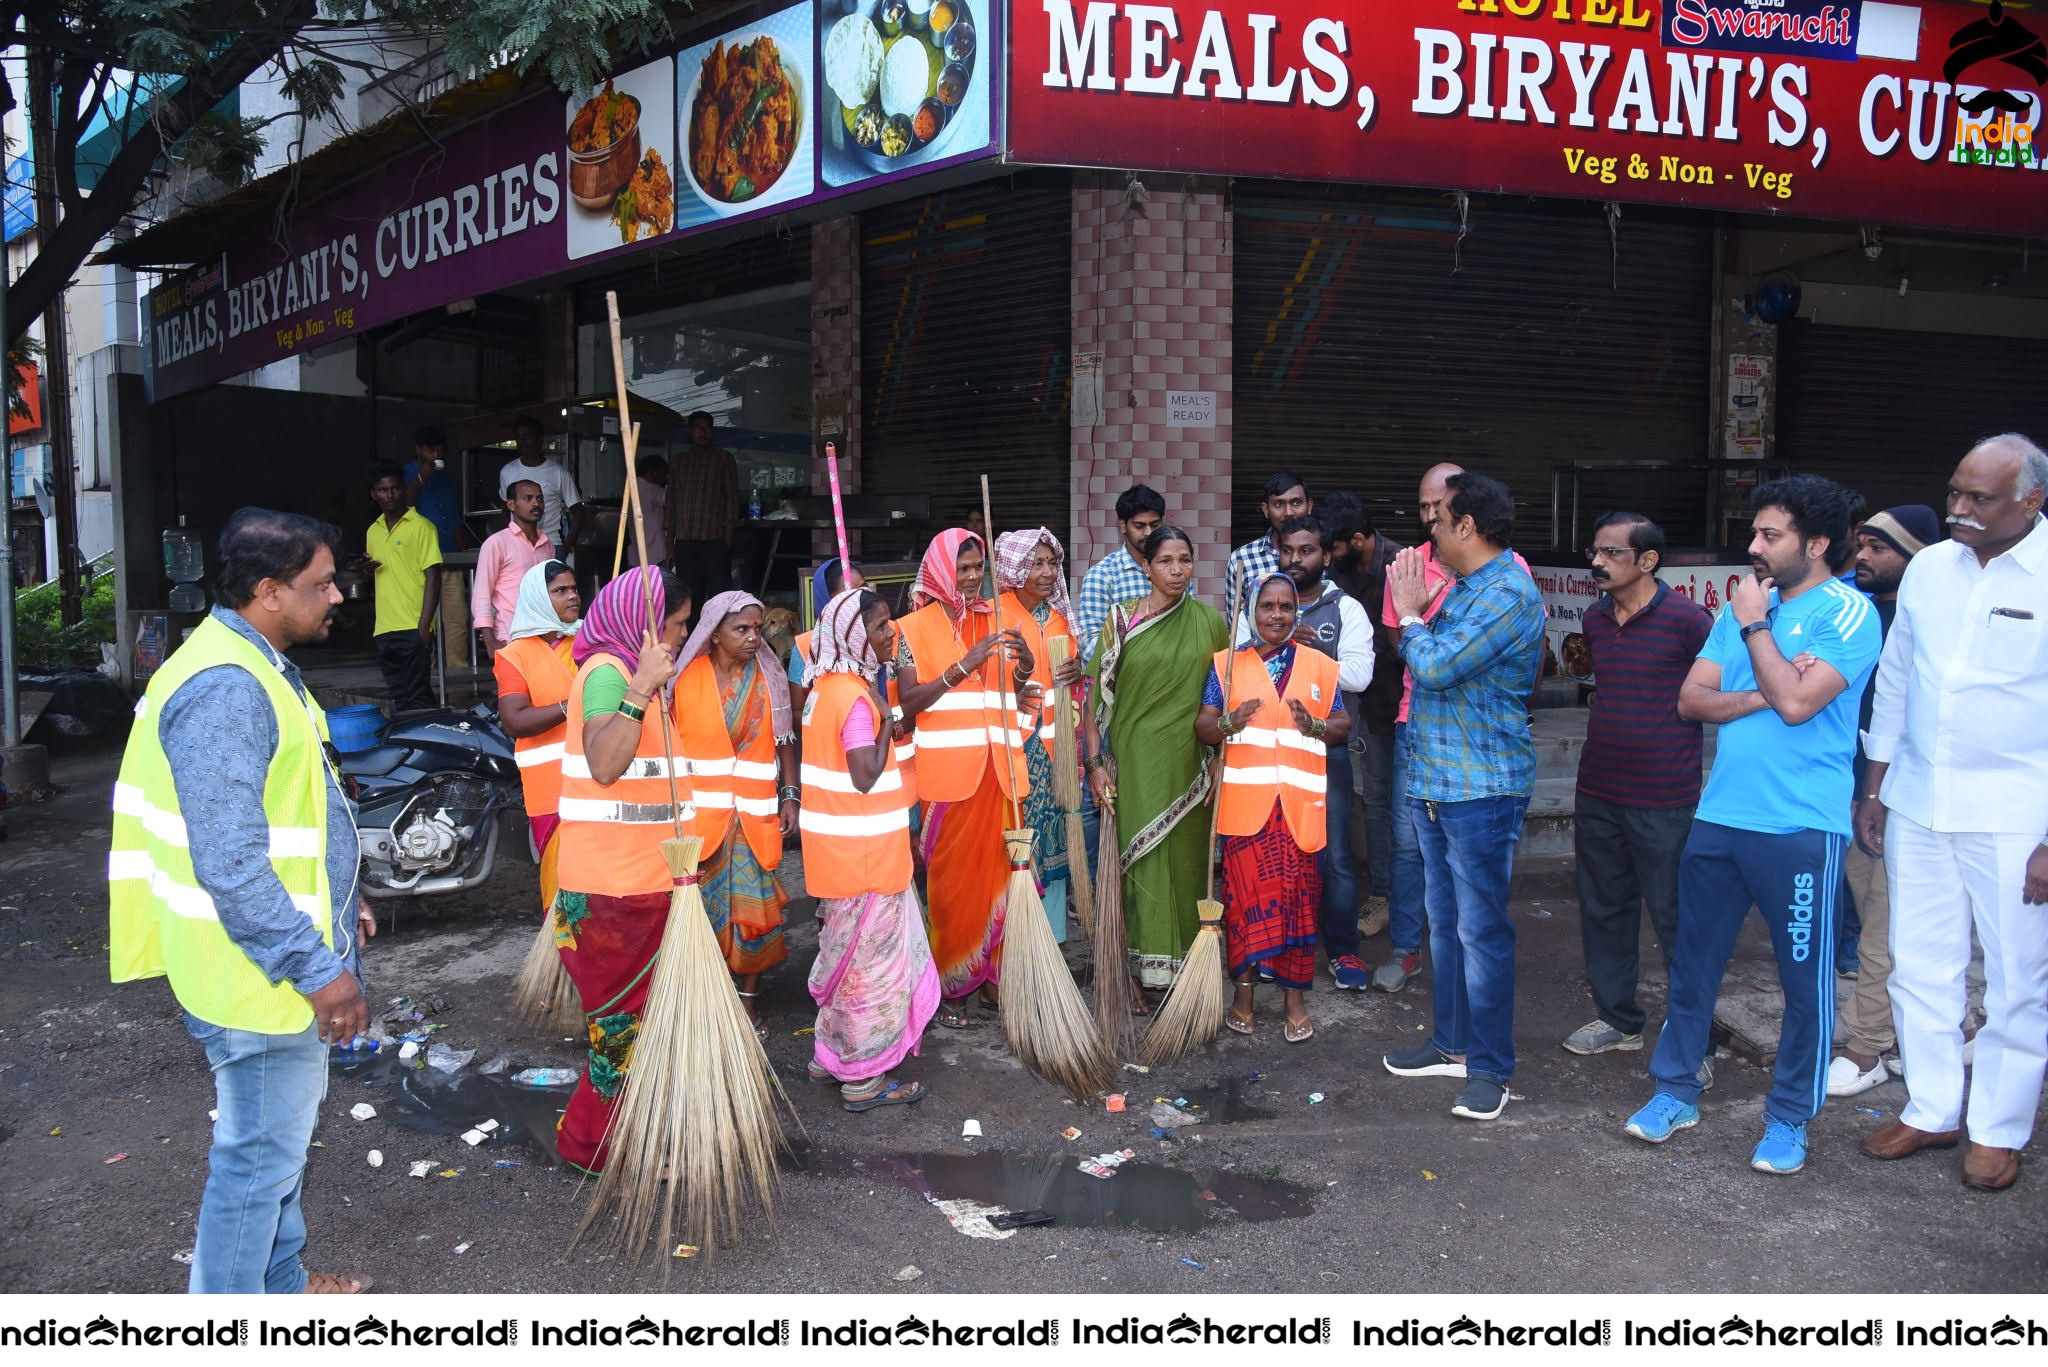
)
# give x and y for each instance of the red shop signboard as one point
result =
(1906, 114)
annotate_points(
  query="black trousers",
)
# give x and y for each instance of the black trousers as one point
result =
(1627, 862)
(408, 669)
(705, 567)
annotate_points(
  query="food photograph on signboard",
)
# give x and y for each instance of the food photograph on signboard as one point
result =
(621, 161)
(905, 83)
(745, 104)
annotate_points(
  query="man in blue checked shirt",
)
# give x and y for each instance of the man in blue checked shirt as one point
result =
(1471, 771)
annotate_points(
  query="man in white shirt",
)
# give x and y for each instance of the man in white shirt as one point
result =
(1333, 622)
(1955, 798)
(561, 515)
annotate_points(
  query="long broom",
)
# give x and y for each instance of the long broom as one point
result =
(1112, 945)
(1066, 784)
(690, 1148)
(1045, 1019)
(1193, 1011)
(544, 994)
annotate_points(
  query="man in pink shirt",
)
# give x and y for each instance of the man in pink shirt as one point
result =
(1406, 901)
(504, 559)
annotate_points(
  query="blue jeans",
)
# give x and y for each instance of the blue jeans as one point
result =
(1795, 879)
(1408, 894)
(1468, 857)
(1340, 875)
(1091, 828)
(1372, 778)
(269, 1089)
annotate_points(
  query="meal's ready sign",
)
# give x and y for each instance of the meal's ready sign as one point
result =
(1849, 109)
(1191, 408)
(802, 105)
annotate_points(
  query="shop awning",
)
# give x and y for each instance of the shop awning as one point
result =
(250, 210)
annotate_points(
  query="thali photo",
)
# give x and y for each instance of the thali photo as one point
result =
(902, 82)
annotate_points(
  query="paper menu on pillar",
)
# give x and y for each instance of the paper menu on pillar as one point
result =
(1746, 406)
(1086, 410)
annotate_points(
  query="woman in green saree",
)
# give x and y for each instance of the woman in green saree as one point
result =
(1145, 763)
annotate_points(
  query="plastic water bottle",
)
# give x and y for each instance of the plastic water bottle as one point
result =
(754, 504)
(184, 555)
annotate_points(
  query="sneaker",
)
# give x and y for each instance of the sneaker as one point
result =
(1395, 973)
(1847, 957)
(1374, 919)
(1664, 1116)
(1425, 1060)
(1349, 972)
(1893, 1066)
(1482, 1099)
(1846, 1079)
(1782, 1150)
(1598, 1037)
(1706, 1075)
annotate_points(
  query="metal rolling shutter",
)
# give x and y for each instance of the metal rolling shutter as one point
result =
(1889, 413)
(965, 326)
(1360, 359)
(671, 279)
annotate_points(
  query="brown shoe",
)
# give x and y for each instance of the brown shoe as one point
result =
(1989, 1169)
(1901, 1140)
(334, 1284)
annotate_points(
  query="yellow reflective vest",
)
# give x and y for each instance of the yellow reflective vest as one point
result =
(162, 923)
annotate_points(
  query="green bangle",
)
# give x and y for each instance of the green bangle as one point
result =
(627, 709)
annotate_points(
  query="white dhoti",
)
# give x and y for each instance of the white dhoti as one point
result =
(1941, 883)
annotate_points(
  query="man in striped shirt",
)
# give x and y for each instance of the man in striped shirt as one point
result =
(1639, 774)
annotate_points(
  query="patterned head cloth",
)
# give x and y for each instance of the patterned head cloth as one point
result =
(1251, 605)
(841, 645)
(715, 612)
(535, 614)
(938, 576)
(616, 621)
(1013, 562)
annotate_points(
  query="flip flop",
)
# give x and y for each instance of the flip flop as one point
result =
(1294, 1032)
(1242, 1025)
(952, 1017)
(895, 1094)
(335, 1284)
(818, 1074)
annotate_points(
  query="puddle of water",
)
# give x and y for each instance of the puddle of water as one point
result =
(428, 1101)
(1140, 1196)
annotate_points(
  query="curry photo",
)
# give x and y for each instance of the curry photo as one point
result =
(745, 100)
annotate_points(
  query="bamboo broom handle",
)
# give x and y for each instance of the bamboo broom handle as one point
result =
(988, 547)
(1216, 788)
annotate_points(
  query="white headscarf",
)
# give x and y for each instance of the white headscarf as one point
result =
(535, 614)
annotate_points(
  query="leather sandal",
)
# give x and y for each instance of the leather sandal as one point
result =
(1296, 1031)
(334, 1284)
(1241, 1025)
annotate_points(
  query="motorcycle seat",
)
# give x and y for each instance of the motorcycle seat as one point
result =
(374, 762)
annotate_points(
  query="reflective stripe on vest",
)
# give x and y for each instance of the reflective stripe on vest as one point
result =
(1270, 760)
(161, 922)
(854, 843)
(549, 679)
(611, 834)
(965, 726)
(726, 783)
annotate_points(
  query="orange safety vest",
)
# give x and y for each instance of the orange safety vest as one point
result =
(854, 842)
(611, 835)
(723, 781)
(966, 724)
(906, 744)
(1016, 614)
(1270, 760)
(549, 676)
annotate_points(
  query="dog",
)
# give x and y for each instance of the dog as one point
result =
(778, 628)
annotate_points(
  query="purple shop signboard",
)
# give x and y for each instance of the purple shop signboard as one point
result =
(798, 107)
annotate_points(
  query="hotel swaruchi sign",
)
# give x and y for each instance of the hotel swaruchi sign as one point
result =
(1922, 114)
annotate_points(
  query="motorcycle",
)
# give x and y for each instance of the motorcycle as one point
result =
(428, 796)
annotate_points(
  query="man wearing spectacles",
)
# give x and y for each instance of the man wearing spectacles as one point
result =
(1639, 774)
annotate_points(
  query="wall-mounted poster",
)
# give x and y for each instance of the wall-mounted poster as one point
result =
(906, 83)
(621, 161)
(744, 105)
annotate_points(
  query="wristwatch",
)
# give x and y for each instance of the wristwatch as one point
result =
(1411, 620)
(1753, 628)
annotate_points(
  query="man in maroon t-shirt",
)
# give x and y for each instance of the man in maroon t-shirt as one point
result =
(1639, 775)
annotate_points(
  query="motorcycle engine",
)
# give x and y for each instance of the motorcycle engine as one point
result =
(436, 836)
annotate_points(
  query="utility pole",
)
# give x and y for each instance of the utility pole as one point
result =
(42, 110)
(10, 680)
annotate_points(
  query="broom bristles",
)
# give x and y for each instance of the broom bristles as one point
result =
(1193, 1011)
(698, 1104)
(1048, 1024)
(1112, 947)
(543, 994)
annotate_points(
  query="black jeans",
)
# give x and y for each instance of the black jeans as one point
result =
(1627, 861)
(705, 568)
(408, 670)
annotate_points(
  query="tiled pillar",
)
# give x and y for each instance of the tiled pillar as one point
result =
(1152, 279)
(835, 352)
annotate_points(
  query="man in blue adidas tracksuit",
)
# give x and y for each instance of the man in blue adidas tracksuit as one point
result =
(1782, 673)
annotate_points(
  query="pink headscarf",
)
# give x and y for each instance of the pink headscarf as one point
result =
(1013, 563)
(615, 623)
(709, 620)
(938, 576)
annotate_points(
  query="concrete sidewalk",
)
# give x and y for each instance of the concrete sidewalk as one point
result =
(1376, 1187)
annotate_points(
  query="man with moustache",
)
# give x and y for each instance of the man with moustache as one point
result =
(1360, 556)
(1884, 546)
(1955, 797)
(1639, 773)
(1772, 825)
(233, 874)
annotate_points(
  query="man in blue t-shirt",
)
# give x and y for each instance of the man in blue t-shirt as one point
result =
(1782, 674)
(431, 491)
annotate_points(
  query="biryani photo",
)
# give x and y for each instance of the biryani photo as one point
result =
(648, 203)
(604, 147)
(744, 121)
